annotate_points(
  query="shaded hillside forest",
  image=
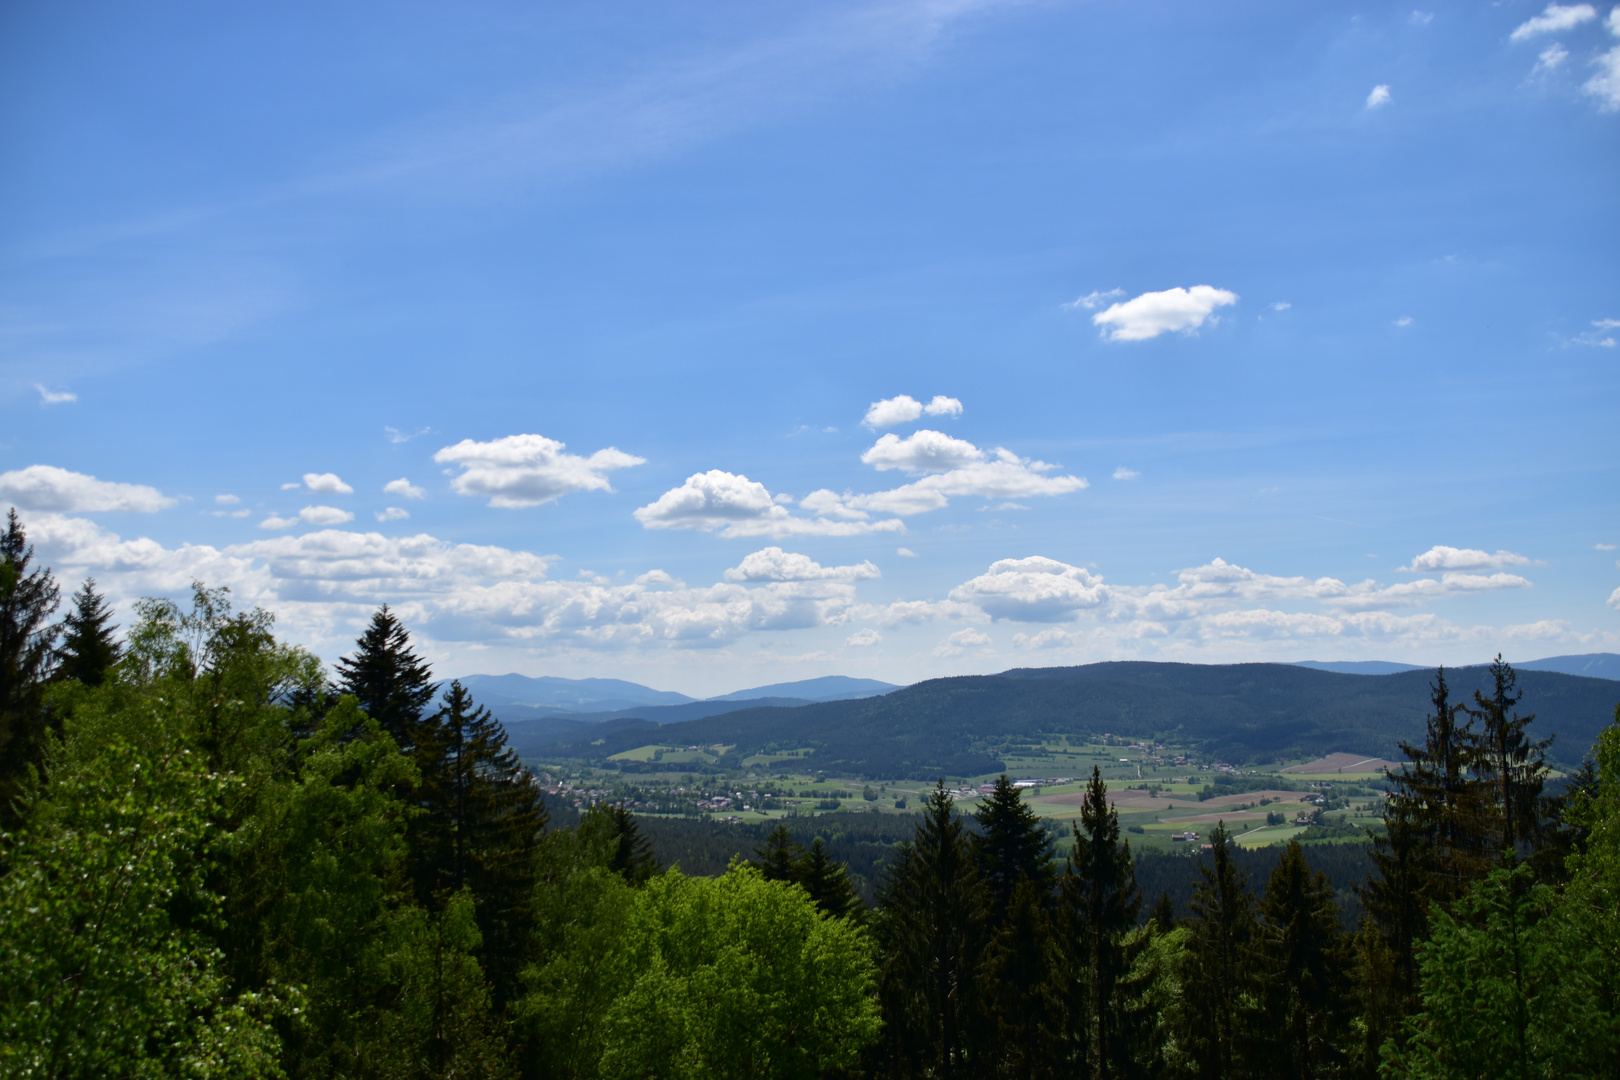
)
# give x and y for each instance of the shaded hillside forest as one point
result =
(221, 860)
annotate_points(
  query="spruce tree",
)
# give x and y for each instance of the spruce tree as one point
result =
(1020, 993)
(779, 856)
(392, 683)
(1515, 766)
(1100, 901)
(28, 597)
(88, 650)
(827, 882)
(1220, 986)
(1304, 968)
(932, 935)
(482, 818)
(1164, 914)
(1010, 846)
(630, 853)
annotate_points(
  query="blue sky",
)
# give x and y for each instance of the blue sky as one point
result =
(722, 344)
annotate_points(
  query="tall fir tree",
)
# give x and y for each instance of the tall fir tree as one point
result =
(392, 683)
(1099, 904)
(827, 882)
(89, 649)
(778, 858)
(1304, 967)
(932, 937)
(1010, 846)
(482, 817)
(1220, 987)
(629, 851)
(1515, 766)
(28, 598)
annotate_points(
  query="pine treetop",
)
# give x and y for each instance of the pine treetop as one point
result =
(391, 682)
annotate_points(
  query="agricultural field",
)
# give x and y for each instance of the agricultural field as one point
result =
(1169, 798)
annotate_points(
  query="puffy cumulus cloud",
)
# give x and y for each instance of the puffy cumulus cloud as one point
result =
(1441, 557)
(1379, 96)
(276, 521)
(1154, 313)
(226, 500)
(528, 470)
(392, 513)
(774, 564)
(323, 585)
(324, 515)
(1555, 18)
(1034, 589)
(404, 488)
(905, 408)
(961, 641)
(954, 468)
(326, 484)
(733, 506)
(861, 639)
(907, 553)
(46, 487)
(921, 451)
(1614, 600)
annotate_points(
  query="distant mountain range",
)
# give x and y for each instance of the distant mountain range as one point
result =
(548, 706)
(1601, 665)
(963, 726)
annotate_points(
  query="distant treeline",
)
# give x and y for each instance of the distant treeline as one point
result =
(221, 860)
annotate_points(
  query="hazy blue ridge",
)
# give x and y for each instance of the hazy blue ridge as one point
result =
(1602, 665)
(827, 688)
(1359, 667)
(577, 695)
(1243, 712)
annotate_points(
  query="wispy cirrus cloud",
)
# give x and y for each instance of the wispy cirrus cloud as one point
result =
(1554, 18)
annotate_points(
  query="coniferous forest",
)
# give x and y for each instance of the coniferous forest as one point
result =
(220, 859)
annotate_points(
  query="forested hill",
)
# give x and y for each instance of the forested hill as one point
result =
(1244, 712)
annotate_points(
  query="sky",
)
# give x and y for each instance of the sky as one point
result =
(710, 345)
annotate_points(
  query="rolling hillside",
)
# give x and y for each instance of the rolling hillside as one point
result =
(1243, 712)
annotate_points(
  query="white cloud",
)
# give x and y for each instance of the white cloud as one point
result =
(1441, 557)
(774, 564)
(529, 470)
(226, 500)
(324, 515)
(1155, 313)
(736, 506)
(861, 639)
(1614, 599)
(892, 411)
(326, 484)
(275, 521)
(1123, 473)
(392, 513)
(1605, 85)
(1281, 305)
(404, 488)
(1033, 589)
(46, 487)
(1007, 477)
(1555, 18)
(1379, 96)
(1404, 320)
(1550, 59)
(294, 486)
(1603, 547)
(907, 553)
(904, 409)
(1093, 299)
(55, 397)
(921, 451)
(961, 641)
